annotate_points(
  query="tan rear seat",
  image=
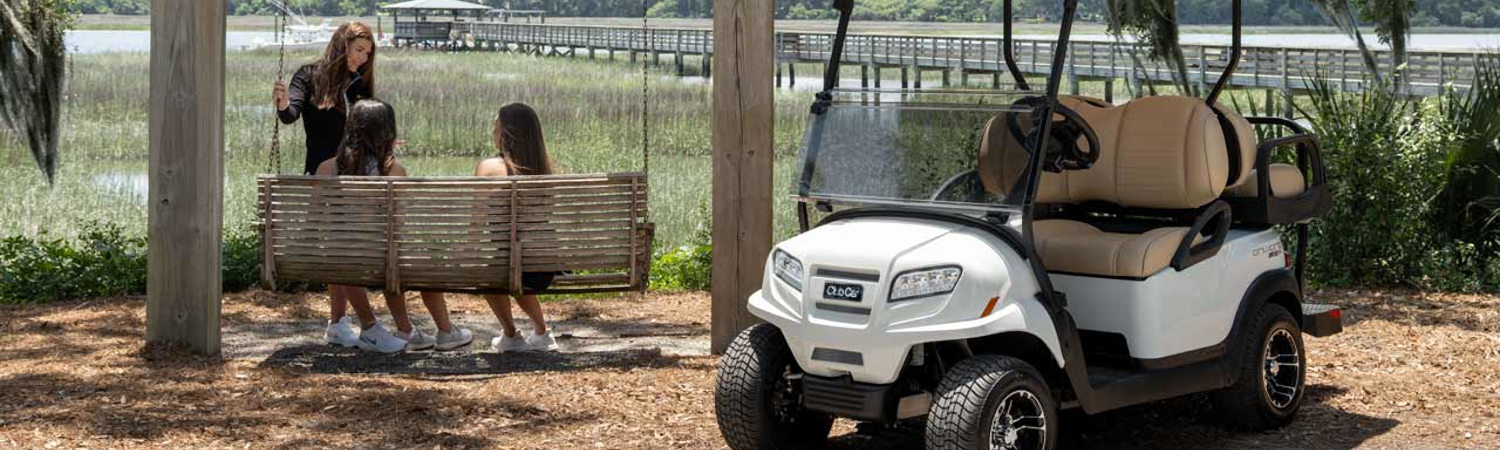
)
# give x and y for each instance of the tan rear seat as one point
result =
(1286, 181)
(1157, 152)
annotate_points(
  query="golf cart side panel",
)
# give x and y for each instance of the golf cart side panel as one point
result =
(1175, 312)
(870, 339)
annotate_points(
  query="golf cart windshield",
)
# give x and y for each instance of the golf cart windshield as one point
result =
(953, 150)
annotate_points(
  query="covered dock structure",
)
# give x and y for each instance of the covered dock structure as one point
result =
(433, 21)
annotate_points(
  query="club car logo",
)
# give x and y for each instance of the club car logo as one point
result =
(1271, 250)
(837, 291)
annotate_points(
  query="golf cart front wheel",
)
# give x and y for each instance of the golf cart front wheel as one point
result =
(992, 402)
(1272, 373)
(758, 397)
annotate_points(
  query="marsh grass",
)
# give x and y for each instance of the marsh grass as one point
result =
(445, 103)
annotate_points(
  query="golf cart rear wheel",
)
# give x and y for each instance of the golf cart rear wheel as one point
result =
(1272, 373)
(992, 402)
(758, 398)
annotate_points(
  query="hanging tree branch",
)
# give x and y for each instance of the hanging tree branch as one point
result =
(32, 70)
(1342, 15)
(1154, 24)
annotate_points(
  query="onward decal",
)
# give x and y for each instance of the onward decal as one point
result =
(1271, 250)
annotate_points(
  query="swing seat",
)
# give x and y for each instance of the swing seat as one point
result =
(457, 234)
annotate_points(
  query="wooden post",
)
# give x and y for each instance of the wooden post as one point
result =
(963, 61)
(186, 209)
(744, 113)
(1203, 69)
(864, 75)
(877, 76)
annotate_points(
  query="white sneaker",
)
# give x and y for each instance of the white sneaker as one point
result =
(342, 333)
(417, 340)
(541, 342)
(449, 340)
(377, 339)
(505, 344)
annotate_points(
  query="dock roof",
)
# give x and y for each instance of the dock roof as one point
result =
(439, 5)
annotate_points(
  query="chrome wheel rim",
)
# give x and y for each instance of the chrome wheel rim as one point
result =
(1282, 369)
(1019, 423)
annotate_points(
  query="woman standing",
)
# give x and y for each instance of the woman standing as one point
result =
(321, 94)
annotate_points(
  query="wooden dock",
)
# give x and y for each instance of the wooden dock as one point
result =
(960, 61)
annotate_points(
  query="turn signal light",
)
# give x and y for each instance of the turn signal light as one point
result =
(990, 307)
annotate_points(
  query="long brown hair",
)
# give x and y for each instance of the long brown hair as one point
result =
(369, 139)
(333, 70)
(521, 144)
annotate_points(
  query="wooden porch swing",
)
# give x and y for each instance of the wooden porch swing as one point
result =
(459, 234)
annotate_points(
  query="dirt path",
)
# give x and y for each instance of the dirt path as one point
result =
(1410, 371)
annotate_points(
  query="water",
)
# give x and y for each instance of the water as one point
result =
(124, 41)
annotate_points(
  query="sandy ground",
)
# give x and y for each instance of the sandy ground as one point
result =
(1411, 370)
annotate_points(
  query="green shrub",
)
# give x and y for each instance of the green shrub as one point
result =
(241, 261)
(1389, 159)
(688, 267)
(103, 261)
(1384, 166)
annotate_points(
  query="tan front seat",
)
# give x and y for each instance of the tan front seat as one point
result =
(1158, 153)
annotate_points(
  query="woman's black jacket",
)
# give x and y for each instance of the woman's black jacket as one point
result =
(324, 127)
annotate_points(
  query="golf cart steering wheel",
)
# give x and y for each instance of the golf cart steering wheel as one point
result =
(1063, 151)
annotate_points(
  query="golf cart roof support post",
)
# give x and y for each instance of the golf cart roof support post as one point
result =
(1234, 53)
(1007, 49)
(1033, 181)
(831, 75)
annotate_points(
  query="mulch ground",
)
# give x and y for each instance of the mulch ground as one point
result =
(1411, 370)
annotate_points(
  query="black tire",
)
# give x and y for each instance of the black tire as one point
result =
(1265, 395)
(756, 405)
(972, 395)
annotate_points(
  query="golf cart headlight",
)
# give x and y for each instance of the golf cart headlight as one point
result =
(925, 282)
(788, 269)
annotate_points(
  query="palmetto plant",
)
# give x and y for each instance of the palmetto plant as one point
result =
(32, 70)
(1470, 202)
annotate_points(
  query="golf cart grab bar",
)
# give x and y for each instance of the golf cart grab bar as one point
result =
(1265, 207)
(1188, 254)
(1309, 152)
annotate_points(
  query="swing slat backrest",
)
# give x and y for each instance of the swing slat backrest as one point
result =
(457, 234)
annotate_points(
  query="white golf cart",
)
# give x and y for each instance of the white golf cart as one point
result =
(986, 267)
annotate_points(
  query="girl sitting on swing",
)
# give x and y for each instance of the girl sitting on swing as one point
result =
(368, 149)
(523, 151)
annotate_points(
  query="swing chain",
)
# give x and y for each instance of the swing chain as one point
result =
(273, 165)
(645, 91)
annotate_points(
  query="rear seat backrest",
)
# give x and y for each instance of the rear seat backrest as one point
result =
(1158, 152)
(1245, 133)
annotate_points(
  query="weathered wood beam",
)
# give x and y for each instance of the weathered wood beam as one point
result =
(744, 111)
(186, 210)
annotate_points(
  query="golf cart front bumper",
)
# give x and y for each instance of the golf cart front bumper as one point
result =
(1320, 320)
(844, 397)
